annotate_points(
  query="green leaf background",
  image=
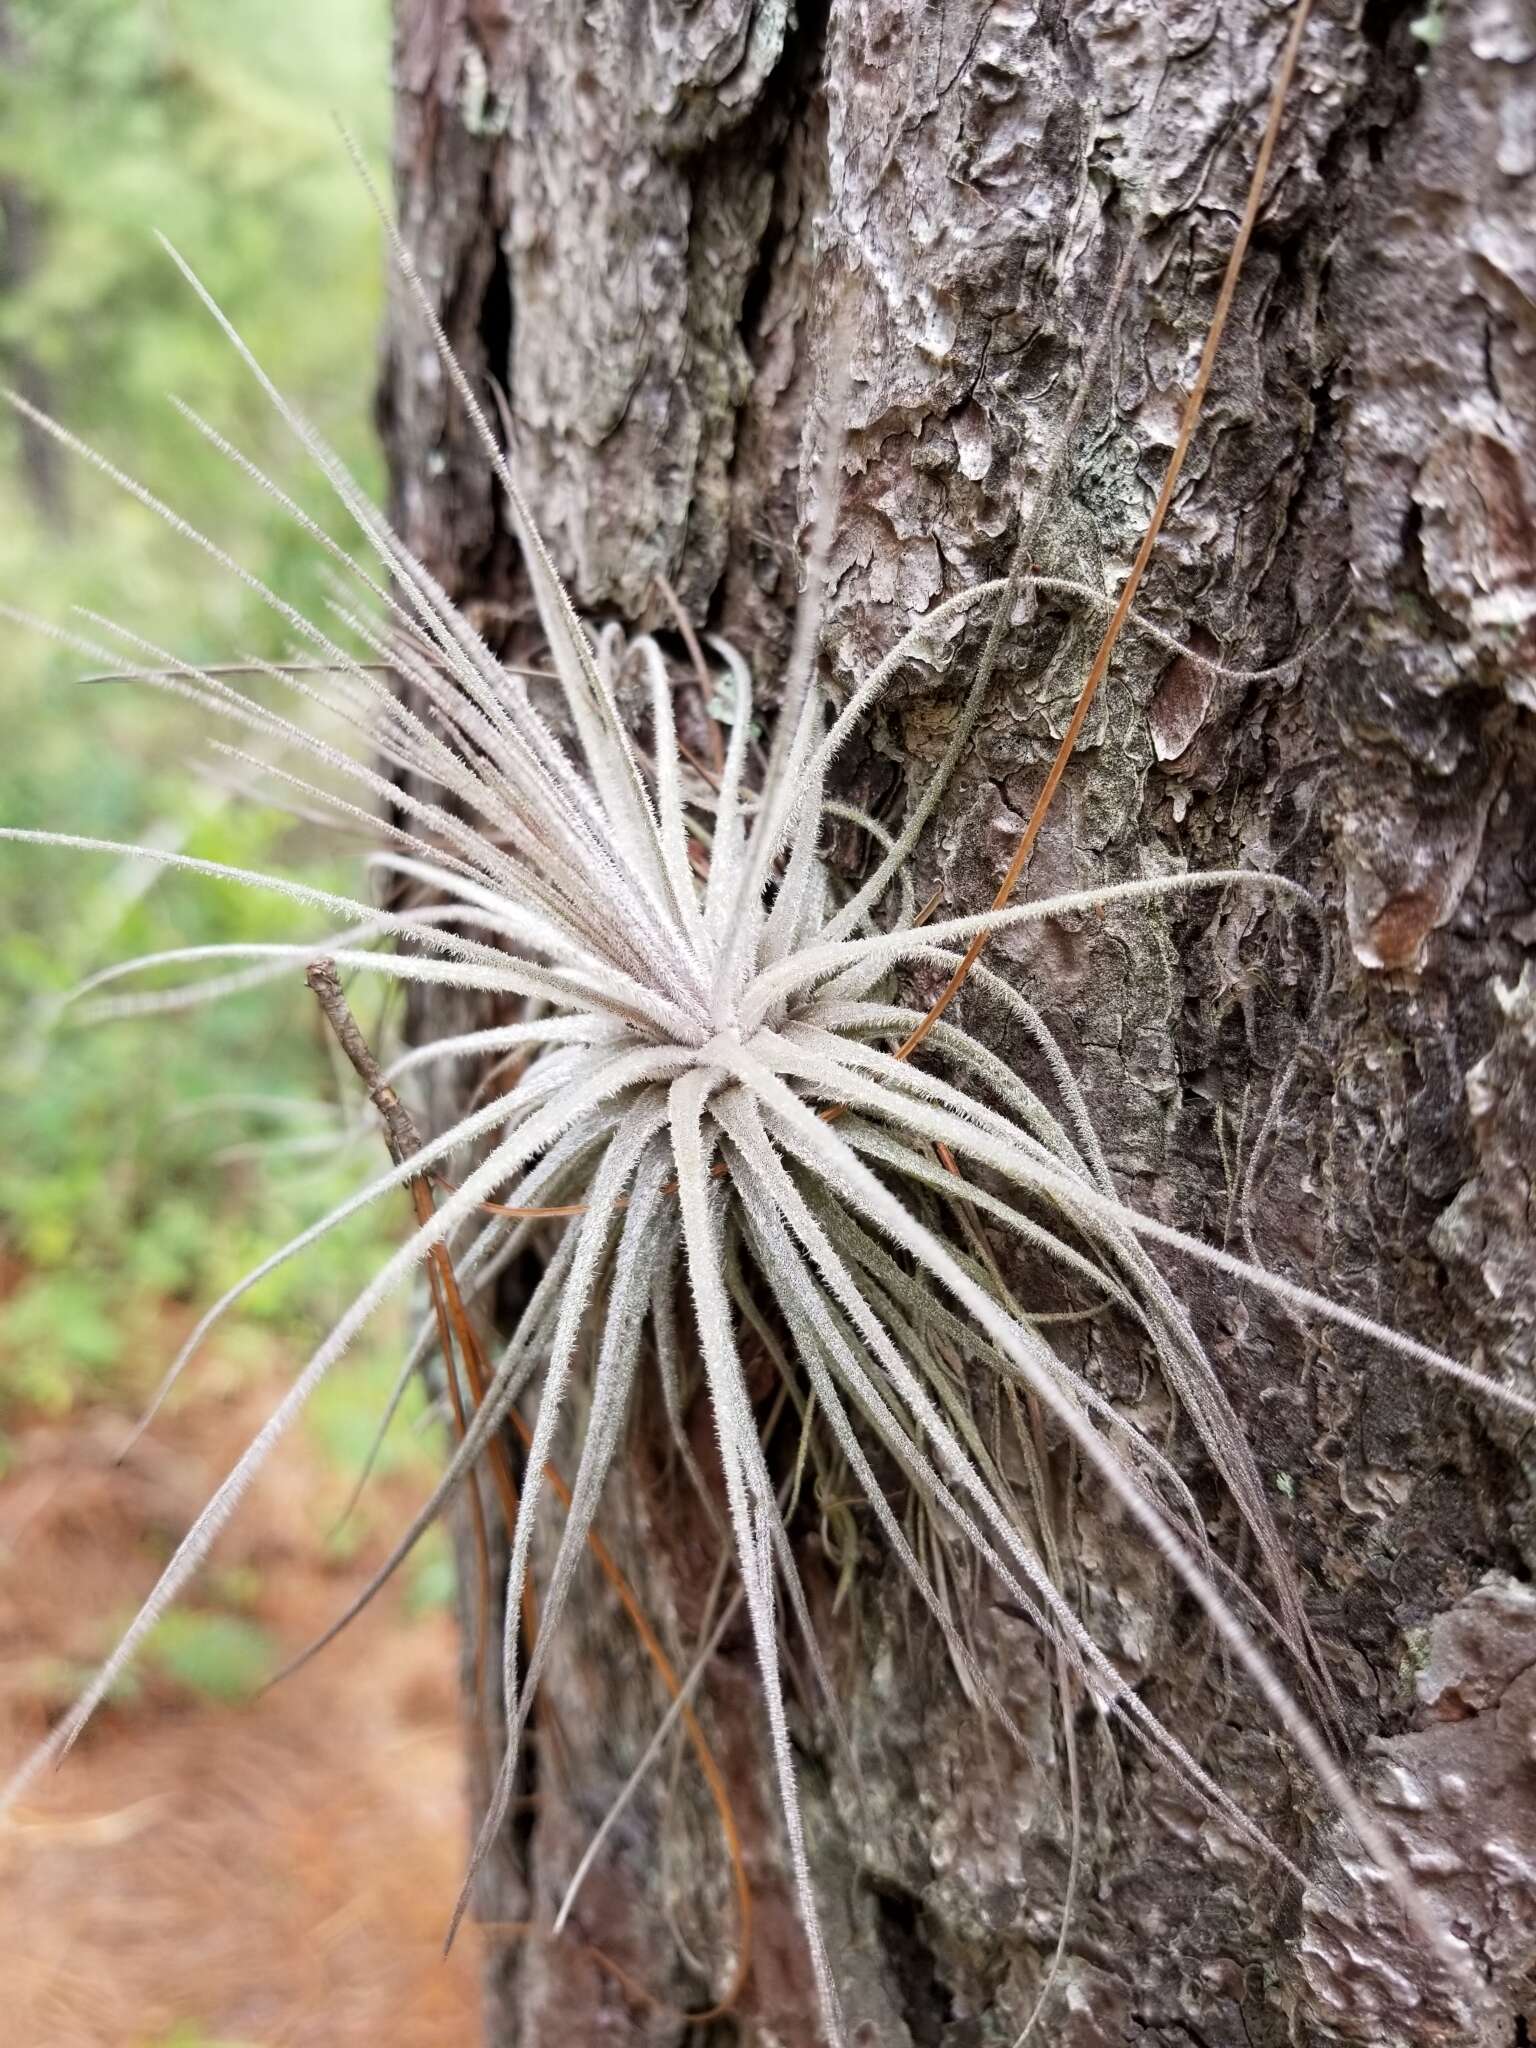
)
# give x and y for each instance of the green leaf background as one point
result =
(133, 1180)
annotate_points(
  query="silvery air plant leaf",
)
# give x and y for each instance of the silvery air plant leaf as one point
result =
(716, 1086)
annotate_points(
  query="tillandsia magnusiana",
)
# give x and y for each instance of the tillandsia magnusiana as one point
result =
(719, 1122)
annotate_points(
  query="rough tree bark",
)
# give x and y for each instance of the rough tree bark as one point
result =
(640, 221)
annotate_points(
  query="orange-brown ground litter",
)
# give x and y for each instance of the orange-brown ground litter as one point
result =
(270, 1874)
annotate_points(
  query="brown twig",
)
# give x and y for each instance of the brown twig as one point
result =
(404, 1141)
(700, 665)
(400, 1132)
(1132, 583)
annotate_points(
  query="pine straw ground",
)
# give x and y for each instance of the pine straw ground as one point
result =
(206, 1873)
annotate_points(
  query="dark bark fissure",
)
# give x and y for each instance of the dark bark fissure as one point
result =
(634, 220)
(925, 2003)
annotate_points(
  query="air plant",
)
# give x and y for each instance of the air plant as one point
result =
(715, 1124)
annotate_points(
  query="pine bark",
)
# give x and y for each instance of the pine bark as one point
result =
(654, 227)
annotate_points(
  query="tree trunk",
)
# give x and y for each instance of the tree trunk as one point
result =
(653, 226)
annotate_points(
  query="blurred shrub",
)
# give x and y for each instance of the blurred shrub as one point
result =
(213, 1656)
(119, 1197)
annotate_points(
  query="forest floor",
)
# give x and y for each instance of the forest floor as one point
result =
(213, 1869)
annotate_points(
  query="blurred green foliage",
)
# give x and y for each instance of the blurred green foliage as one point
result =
(343, 1416)
(128, 1183)
(188, 2034)
(430, 1577)
(212, 1656)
